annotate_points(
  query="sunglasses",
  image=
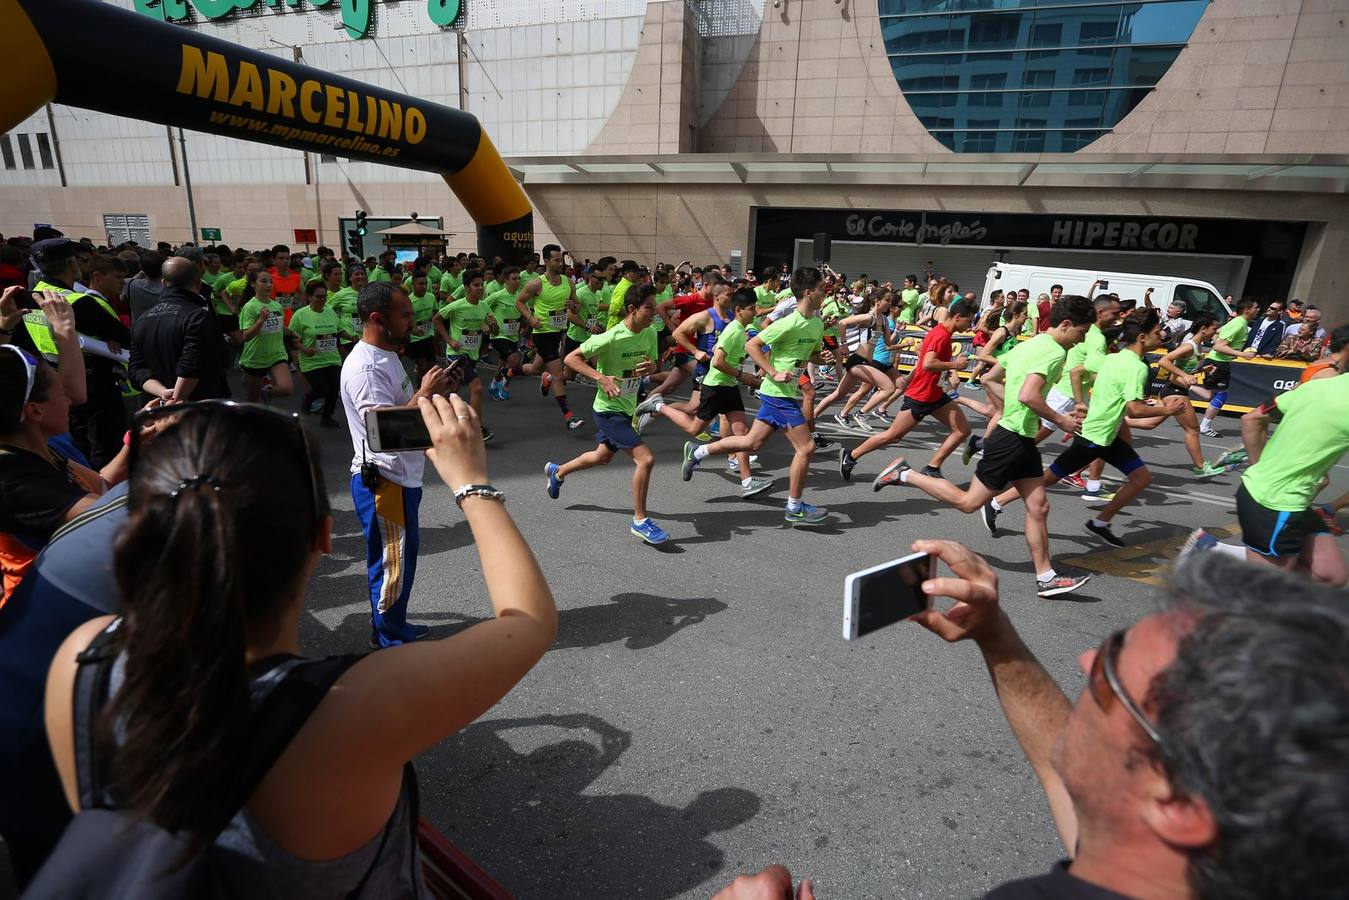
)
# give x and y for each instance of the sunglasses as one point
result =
(1106, 687)
(257, 411)
(30, 370)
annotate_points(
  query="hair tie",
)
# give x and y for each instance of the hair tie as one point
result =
(193, 482)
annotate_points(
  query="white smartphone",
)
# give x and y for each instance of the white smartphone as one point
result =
(885, 594)
(401, 428)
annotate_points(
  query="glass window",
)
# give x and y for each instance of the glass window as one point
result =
(25, 151)
(44, 150)
(1028, 141)
(1050, 35)
(7, 151)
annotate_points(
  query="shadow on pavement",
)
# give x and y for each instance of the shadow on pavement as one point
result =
(517, 796)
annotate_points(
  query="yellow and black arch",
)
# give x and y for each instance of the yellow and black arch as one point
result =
(60, 51)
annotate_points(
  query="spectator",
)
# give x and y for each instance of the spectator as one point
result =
(177, 351)
(11, 263)
(1265, 335)
(1295, 311)
(1309, 324)
(1206, 755)
(335, 810)
(142, 291)
(386, 487)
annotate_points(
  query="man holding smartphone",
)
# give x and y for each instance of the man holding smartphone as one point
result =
(387, 487)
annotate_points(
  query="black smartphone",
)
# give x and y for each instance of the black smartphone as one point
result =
(885, 594)
(1105, 285)
(395, 429)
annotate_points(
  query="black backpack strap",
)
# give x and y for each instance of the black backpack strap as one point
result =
(94, 669)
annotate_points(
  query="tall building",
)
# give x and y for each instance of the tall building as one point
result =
(1207, 140)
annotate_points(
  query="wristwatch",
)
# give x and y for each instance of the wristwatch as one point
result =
(486, 491)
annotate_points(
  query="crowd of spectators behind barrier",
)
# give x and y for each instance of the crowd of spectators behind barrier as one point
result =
(1206, 757)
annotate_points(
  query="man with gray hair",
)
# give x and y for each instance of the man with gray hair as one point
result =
(177, 351)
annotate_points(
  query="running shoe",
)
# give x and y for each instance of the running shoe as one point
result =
(1060, 584)
(971, 448)
(1232, 458)
(845, 421)
(486, 434)
(649, 531)
(1208, 430)
(267, 393)
(932, 471)
(806, 515)
(494, 390)
(554, 482)
(861, 424)
(1105, 533)
(650, 404)
(504, 391)
(1199, 539)
(845, 463)
(690, 461)
(1075, 481)
(1327, 516)
(1207, 470)
(572, 421)
(890, 474)
(823, 443)
(881, 417)
(316, 405)
(734, 466)
(755, 486)
(640, 422)
(714, 428)
(990, 517)
(545, 383)
(1098, 496)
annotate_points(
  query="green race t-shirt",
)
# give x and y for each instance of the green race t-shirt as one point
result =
(218, 282)
(588, 307)
(1088, 353)
(618, 352)
(527, 277)
(1041, 355)
(731, 341)
(1123, 377)
(833, 308)
(502, 307)
(794, 340)
(911, 300)
(423, 310)
(379, 274)
(658, 322)
(1311, 437)
(550, 305)
(464, 320)
(1234, 333)
(616, 311)
(343, 303)
(319, 330)
(449, 282)
(266, 348)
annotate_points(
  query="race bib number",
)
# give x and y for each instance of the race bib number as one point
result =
(325, 343)
(470, 341)
(421, 329)
(628, 387)
(511, 328)
(356, 323)
(273, 324)
(590, 322)
(557, 319)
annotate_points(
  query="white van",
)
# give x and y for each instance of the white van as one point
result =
(1198, 296)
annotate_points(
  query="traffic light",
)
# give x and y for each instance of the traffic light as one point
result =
(360, 222)
(354, 244)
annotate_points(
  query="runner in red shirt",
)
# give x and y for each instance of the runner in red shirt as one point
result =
(685, 306)
(925, 396)
(287, 288)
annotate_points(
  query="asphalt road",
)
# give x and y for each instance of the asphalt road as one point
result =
(700, 714)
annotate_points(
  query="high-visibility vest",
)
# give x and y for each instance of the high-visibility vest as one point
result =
(40, 332)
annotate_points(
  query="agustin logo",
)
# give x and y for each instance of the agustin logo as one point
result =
(356, 14)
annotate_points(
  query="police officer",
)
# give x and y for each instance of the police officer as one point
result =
(98, 426)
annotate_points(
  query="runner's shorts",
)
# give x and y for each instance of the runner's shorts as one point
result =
(780, 412)
(548, 344)
(423, 349)
(1272, 532)
(1217, 375)
(504, 347)
(920, 409)
(719, 400)
(616, 431)
(1082, 452)
(1060, 403)
(1008, 457)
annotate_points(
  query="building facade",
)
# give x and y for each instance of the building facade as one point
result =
(1187, 137)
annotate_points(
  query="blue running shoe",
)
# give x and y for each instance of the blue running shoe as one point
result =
(806, 515)
(714, 428)
(554, 483)
(649, 531)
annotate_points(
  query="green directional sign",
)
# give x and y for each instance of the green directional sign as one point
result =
(210, 234)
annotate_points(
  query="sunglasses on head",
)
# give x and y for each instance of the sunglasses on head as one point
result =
(257, 411)
(1106, 687)
(30, 371)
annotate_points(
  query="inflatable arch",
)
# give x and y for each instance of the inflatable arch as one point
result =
(177, 76)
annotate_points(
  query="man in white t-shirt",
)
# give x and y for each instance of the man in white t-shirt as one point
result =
(386, 487)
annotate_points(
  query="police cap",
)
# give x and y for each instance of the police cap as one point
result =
(55, 249)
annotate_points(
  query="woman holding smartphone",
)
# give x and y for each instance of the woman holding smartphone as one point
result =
(334, 814)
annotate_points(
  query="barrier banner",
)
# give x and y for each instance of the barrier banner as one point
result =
(181, 77)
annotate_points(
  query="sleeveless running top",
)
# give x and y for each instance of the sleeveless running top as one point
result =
(550, 305)
(708, 339)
